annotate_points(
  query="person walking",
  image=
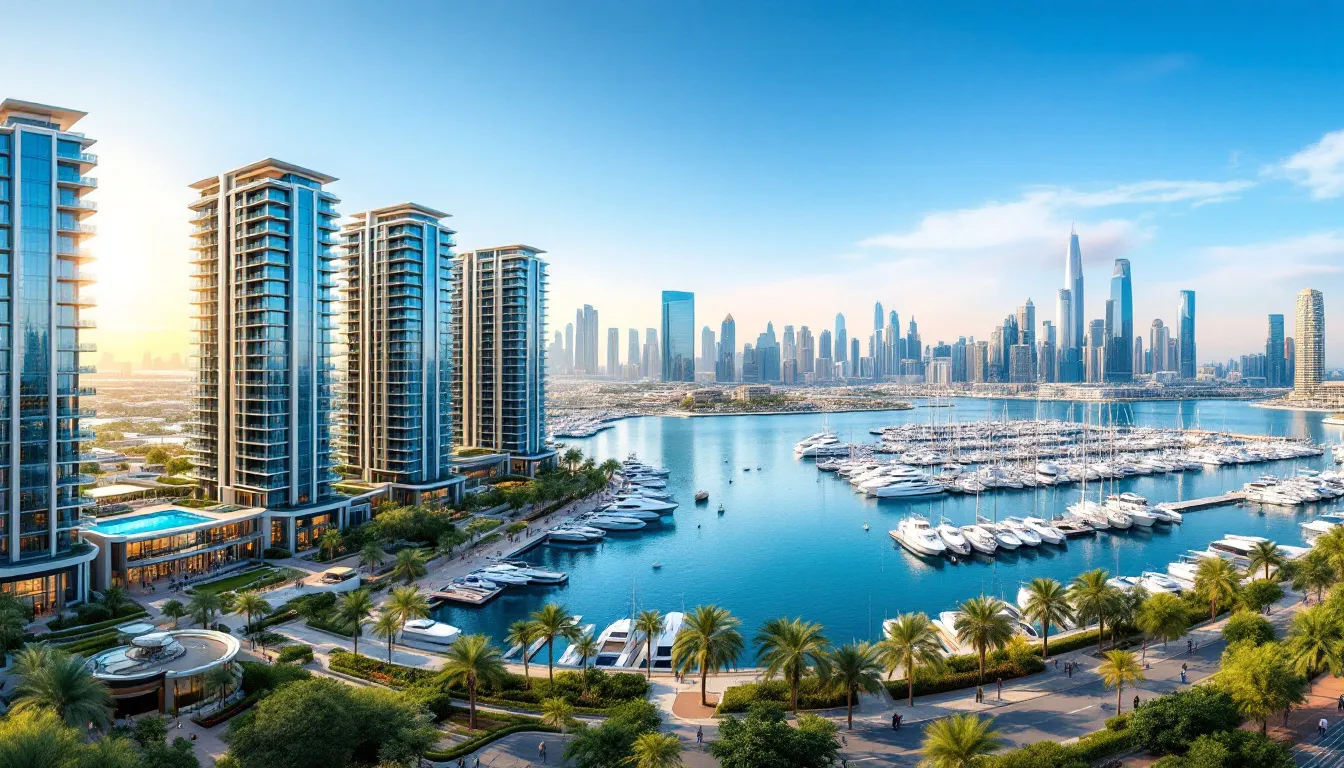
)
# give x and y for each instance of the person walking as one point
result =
(1136, 702)
(1189, 645)
(999, 682)
(1182, 676)
(1341, 702)
(1322, 727)
(541, 751)
(700, 735)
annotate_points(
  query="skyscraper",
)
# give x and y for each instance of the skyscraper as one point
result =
(614, 352)
(632, 354)
(1185, 337)
(678, 336)
(1138, 366)
(398, 411)
(854, 357)
(877, 316)
(789, 347)
(265, 308)
(707, 358)
(1275, 365)
(42, 227)
(1073, 281)
(1309, 336)
(806, 351)
(585, 341)
(499, 381)
(725, 370)
(751, 369)
(1120, 346)
(568, 364)
(825, 356)
(1068, 359)
(1158, 336)
(652, 364)
(1019, 364)
(841, 340)
(1290, 356)
(767, 354)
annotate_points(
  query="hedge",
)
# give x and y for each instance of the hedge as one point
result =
(473, 744)
(92, 645)
(64, 624)
(1100, 744)
(301, 654)
(219, 716)
(259, 677)
(963, 671)
(739, 698)
(1072, 642)
(89, 629)
(280, 617)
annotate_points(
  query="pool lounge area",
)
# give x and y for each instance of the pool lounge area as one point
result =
(164, 542)
(162, 520)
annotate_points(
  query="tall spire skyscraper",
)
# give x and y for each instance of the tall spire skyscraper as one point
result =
(841, 340)
(1120, 347)
(725, 370)
(1073, 280)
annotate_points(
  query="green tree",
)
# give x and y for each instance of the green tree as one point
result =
(1048, 605)
(552, 621)
(911, 642)
(174, 609)
(523, 633)
(1315, 572)
(788, 648)
(1118, 668)
(609, 745)
(65, 685)
(650, 623)
(1162, 617)
(157, 456)
(1264, 555)
(1216, 583)
(353, 610)
(763, 739)
(960, 741)
(982, 625)
(557, 713)
(372, 556)
(1244, 625)
(409, 566)
(11, 632)
(38, 738)
(386, 626)
(473, 661)
(113, 752)
(655, 750)
(251, 604)
(1316, 641)
(115, 600)
(1041, 754)
(1168, 724)
(177, 466)
(330, 543)
(1093, 599)
(1261, 679)
(1238, 748)
(571, 458)
(1260, 594)
(708, 641)
(204, 605)
(408, 603)
(852, 668)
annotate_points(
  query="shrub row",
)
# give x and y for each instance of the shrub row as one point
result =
(279, 617)
(1089, 749)
(89, 629)
(475, 743)
(957, 677)
(95, 613)
(259, 677)
(221, 715)
(811, 695)
(276, 553)
(1100, 744)
(368, 668)
(92, 645)
(300, 654)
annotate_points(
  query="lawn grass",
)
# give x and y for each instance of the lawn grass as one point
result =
(236, 582)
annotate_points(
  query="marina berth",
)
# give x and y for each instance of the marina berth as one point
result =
(915, 534)
(1022, 531)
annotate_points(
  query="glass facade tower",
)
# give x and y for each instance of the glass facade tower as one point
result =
(264, 311)
(1185, 336)
(398, 365)
(678, 336)
(1120, 347)
(43, 224)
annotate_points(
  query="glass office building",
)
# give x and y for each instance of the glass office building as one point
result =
(43, 224)
(499, 354)
(264, 309)
(397, 419)
(678, 336)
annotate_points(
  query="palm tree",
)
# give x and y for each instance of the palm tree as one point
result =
(982, 624)
(408, 603)
(586, 647)
(1047, 603)
(651, 624)
(174, 609)
(655, 750)
(353, 609)
(329, 542)
(1162, 616)
(372, 556)
(386, 626)
(34, 657)
(1118, 668)
(1316, 641)
(960, 741)
(610, 467)
(1266, 555)
(1313, 572)
(1216, 581)
(63, 684)
(251, 604)
(1093, 598)
(852, 668)
(217, 682)
(788, 648)
(557, 713)
(115, 599)
(203, 606)
(522, 633)
(554, 621)
(473, 661)
(708, 640)
(911, 640)
(409, 566)
(572, 458)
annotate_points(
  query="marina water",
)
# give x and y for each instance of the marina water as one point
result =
(792, 542)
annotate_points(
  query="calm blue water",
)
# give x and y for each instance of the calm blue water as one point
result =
(791, 542)
(158, 521)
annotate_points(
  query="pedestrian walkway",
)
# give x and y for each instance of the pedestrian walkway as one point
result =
(1312, 750)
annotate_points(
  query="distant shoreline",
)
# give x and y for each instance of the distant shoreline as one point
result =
(685, 415)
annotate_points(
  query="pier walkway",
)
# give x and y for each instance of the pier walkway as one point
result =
(1208, 502)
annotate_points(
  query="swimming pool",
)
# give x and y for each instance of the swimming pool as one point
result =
(158, 521)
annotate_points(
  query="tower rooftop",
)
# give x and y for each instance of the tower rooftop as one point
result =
(58, 116)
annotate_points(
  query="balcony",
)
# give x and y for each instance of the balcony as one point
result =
(77, 181)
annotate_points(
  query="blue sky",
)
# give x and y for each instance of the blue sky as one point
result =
(783, 160)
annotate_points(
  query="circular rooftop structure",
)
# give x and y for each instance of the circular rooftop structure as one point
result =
(171, 654)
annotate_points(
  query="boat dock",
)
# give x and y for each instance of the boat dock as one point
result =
(473, 597)
(1208, 502)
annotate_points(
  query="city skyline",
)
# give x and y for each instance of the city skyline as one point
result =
(1159, 154)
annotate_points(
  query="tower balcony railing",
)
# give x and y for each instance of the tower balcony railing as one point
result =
(78, 181)
(79, 204)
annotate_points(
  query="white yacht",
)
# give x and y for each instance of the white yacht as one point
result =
(428, 634)
(1156, 582)
(1004, 536)
(648, 493)
(1235, 548)
(662, 646)
(535, 574)
(510, 576)
(476, 581)
(1165, 514)
(1048, 533)
(980, 539)
(1091, 513)
(906, 488)
(1124, 583)
(614, 523)
(1317, 528)
(572, 534)
(1022, 532)
(915, 534)
(953, 538)
(1119, 519)
(613, 643)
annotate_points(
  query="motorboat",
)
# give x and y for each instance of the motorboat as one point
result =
(946, 624)
(701, 497)
(1091, 513)
(915, 534)
(614, 643)
(1119, 519)
(570, 658)
(613, 523)
(1141, 517)
(537, 575)
(980, 539)
(574, 535)
(908, 488)
(428, 633)
(1023, 533)
(1236, 548)
(662, 646)
(953, 538)
(1004, 536)
(476, 581)
(1165, 514)
(1124, 583)
(1317, 528)
(1073, 528)
(640, 491)
(1159, 582)
(1048, 533)
(505, 576)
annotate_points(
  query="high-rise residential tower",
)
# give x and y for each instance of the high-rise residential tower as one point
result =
(398, 415)
(265, 309)
(1158, 336)
(1120, 347)
(767, 354)
(499, 362)
(788, 344)
(614, 352)
(1309, 336)
(705, 363)
(43, 222)
(585, 341)
(678, 336)
(1185, 336)
(1073, 281)
(1275, 365)
(632, 354)
(725, 370)
(841, 339)
(806, 351)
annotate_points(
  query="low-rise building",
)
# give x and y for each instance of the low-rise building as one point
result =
(165, 671)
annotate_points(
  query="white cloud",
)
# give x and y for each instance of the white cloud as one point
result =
(1295, 259)
(1319, 167)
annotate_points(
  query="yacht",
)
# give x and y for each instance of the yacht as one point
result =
(613, 523)
(633, 465)
(946, 624)
(1090, 513)
(572, 534)
(906, 488)
(614, 642)
(1317, 528)
(428, 634)
(537, 575)
(953, 538)
(662, 647)
(504, 576)
(1124, 583)
(1004, 536)
(1119, 519)
(1022, 532)
(914, 534)
(1156, 582)
(1073, 528)
(476, 581)
(1166, 514)
(570, 658)
(647, 493)
(1235, 548)
(980, 539)
(1048, 533)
